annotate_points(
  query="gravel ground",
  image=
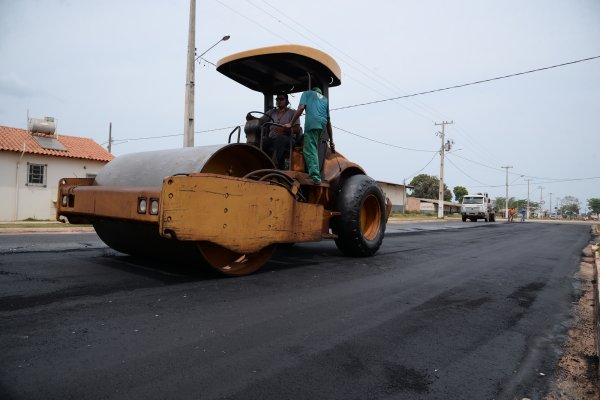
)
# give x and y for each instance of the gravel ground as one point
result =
(578, 374)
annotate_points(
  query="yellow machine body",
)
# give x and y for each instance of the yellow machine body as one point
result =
(227, 205)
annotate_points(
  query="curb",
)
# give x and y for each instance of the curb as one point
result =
(18, 231)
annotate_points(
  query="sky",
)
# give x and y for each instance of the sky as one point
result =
(91, 63)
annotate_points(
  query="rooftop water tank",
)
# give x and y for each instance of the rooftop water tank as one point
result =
(46, 125)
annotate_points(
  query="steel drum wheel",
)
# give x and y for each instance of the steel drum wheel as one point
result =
(231, 263)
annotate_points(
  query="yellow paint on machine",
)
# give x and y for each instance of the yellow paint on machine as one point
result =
(239, 214)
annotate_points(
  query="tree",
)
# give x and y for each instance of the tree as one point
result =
(500, 203)
(427, 187)
(594, 204)
(513, 202)
(459, 193)
(570, 206)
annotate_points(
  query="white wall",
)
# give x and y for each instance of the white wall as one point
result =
(20, 201)
(395, 193)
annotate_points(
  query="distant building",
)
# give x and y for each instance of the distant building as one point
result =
(396, 193)
(31, 164)
(430, 206)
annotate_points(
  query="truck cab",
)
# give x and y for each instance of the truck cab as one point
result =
(477, 206)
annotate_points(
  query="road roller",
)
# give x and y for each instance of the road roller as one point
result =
(227, 206)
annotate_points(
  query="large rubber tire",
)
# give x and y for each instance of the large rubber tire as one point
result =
(492, 217)
(360, 227)
(464, 218)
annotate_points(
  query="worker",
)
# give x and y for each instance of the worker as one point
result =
(316, 119)
(277, 142)
(511, 214)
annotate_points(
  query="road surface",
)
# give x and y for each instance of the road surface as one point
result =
(446, 311)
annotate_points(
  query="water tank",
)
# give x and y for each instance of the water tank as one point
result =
(46, 125)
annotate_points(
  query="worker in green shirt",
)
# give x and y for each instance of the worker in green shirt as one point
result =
(316, 119)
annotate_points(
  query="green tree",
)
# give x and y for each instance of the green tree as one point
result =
(459, 193)
(427, 187)
(500, 202)
(569, 206)
(594, 204)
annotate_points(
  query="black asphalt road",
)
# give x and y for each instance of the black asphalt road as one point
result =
(452, 313)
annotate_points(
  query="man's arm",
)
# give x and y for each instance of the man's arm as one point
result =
(297, 115)
(330, 133)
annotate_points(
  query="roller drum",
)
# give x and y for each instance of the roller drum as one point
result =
(149, 169)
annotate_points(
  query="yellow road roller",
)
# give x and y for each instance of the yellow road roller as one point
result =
(228, 206)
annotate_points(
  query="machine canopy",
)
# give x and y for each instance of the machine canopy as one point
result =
(281, 69)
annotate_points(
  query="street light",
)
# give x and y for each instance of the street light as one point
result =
(188, 123)
(223, 39)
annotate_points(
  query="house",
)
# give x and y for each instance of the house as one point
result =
(430, 206)
(396, 193)
(33, 161)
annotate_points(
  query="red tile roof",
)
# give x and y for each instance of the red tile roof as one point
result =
(12, 139)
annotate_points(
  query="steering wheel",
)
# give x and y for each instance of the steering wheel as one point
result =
(262, 114)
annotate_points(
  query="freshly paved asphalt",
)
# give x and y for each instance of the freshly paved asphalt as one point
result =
(475, 310)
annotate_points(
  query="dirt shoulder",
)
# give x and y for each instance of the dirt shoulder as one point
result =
(578, 368)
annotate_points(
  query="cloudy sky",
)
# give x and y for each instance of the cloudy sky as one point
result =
(88, 63)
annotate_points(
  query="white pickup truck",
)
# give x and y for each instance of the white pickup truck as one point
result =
(477, 206)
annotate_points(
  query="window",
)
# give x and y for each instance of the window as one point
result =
(36, 174)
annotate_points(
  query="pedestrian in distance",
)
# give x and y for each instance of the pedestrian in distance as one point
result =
(511, 214)
(315, 121)
(523, 213)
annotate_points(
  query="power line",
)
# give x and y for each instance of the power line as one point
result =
(478, 163)
(383, 143)
(415, 173)
(463, 172)
(369, 73)
(466, 84)
(173, 135)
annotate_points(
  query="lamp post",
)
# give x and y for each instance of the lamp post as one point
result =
(223, 39)
(188, 124)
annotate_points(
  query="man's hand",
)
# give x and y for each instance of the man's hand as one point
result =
(332, 146)
(279, 129)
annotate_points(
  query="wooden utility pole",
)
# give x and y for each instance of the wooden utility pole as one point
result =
(188, 124)
(541, 201)
(441, 189)
(110, 137)
(506, 202)
(527, 213)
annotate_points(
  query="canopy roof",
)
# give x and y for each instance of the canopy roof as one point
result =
(281, 69)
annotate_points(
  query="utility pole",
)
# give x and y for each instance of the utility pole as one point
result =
(550, 202)
(441, 189)
(404, 196)
(527, 211)
(188, 124)
(110, 137)
(541, 201)
(506, 202)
